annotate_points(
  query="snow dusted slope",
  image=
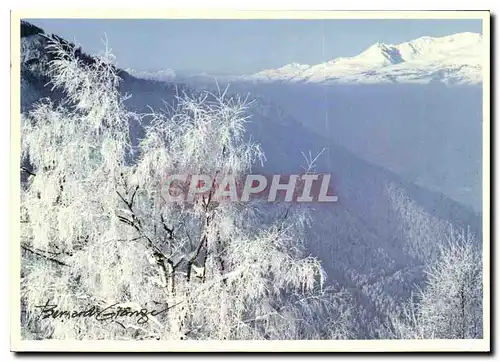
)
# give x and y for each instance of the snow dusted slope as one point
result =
(454, 59)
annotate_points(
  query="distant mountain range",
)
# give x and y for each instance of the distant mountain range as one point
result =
(453, 59)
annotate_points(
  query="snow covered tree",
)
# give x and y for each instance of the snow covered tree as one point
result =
(450, 305)
(97, 229)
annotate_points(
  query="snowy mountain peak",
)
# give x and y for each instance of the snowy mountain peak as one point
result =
(381, 54)
(459, 39)
(452, 59)
(287, 72)
(468, 44)
(296, 66)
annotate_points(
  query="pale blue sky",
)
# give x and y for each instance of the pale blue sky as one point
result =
(240, 46)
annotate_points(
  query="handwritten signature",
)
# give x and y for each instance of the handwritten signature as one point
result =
(109, 313)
